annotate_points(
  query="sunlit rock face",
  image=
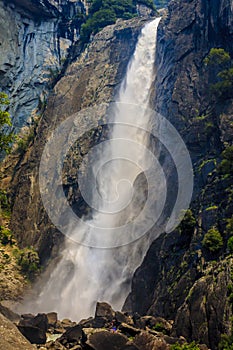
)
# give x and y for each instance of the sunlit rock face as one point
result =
(35, 37)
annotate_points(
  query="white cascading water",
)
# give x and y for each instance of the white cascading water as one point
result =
(85, 275)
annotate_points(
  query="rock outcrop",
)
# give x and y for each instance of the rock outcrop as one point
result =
(178, 278)
(11, 338)
(35, 37)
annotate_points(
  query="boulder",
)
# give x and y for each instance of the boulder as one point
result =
(146, 341)
(11, 338)
(52, 318)
(72, 335)
(34, 328)
(128, 330)
(104, 310)
(107, 340)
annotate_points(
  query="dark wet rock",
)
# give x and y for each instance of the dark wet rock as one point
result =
(34, 328)
(120, 317)
(72, 335)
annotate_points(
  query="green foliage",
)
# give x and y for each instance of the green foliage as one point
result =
(229, 226)
(216, 57)
(6, 236)
(105, 12)
(185, 346)
(159, 327)
(226, 166)
(150, 3)
(230, 244)
(188, 223)
(29, 261)
(98, 21)
(213, 240)
(24, 141)
(6, 137)
(226, 342)
(4, 204)
(220, 62)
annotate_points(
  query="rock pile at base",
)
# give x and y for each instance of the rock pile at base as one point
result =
(107, 330)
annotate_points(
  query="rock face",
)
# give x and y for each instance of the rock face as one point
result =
(11, 338)
(177, 278)
(91, 79)
(34, 37)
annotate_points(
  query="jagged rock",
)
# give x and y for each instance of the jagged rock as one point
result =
(11, 338)
(73, 334)
(157, 323)
(9, 314)
(104, 310)
(107, 340)
(145, 341)
(120, 317)
(52, 318)
(34, 328)
(35, 37)
(128, 330)
(66, 323)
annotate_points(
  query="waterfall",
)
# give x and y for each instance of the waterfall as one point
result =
(86, 274)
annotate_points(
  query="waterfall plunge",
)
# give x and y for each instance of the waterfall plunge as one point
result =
(85, 275)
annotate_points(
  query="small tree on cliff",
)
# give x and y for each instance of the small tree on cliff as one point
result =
(6, 137)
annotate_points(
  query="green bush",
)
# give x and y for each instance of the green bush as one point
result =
(213, 240)
(6, 236)
(6, 137)
(186, 346)
(226, 166)
(217, 57)
(188, 223)
(229, 226)
(226, 342)
(29, 261)
(105, 12)
(230, 244)
(220, 65)
(94, 24)
(24, 141)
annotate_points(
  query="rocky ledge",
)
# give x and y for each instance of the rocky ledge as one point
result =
(108, 329)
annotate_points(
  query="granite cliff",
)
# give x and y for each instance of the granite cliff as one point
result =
(35, 38)
(180, 278)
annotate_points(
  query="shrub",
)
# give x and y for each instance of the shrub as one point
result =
(213, 240)
(6, 236)
(217, 56)
(220, 64)
(226, 165)
(29, 261)
(226, 342)
(99, 20)
(230, 244)
(229, 226)
(186, 346)
(24, 141)
(6, 137)
(188, 223)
